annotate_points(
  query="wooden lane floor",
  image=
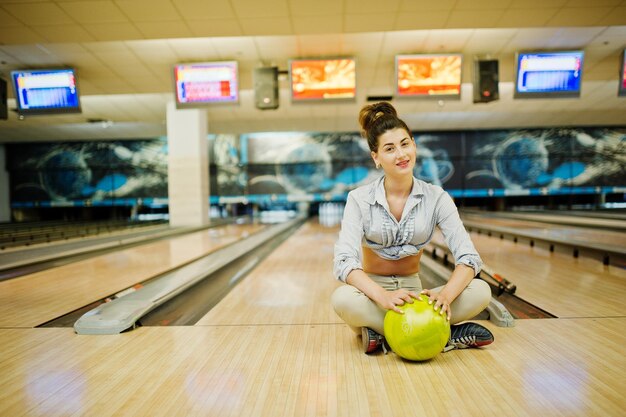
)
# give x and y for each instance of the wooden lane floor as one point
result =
(558, 283)
(273, 347)
(595, 219)
(548, 367)
(36, 298)
(292, 285)
(567, 233)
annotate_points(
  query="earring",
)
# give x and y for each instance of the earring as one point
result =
(377, 166)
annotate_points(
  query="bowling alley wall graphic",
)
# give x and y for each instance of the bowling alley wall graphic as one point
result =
(87, 173)
(317, 166)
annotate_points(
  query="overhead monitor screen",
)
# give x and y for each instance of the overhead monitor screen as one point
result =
(434, 75)
(48, 91)
(323, 79)
(622, 77)
(549, 74)
(206, 83)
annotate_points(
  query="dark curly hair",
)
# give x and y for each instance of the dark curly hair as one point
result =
(375, 119)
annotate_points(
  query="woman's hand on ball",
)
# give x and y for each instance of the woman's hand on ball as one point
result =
(390, 300)
(441, 303)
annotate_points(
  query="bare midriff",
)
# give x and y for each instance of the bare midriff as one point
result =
(374, 264)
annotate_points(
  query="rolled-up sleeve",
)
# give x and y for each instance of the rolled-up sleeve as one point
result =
(348, 246)
(455, 235)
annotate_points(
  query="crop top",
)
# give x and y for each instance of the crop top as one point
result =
(367, 221)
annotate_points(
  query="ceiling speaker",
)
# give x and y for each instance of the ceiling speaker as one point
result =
(486, 81)
(266, 88)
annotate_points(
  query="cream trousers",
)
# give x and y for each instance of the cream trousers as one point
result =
(357, 310)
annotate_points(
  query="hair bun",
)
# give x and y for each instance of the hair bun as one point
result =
(369, 114)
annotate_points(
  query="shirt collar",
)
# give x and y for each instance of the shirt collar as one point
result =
(378, 192)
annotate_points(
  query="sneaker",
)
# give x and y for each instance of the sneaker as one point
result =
(468, 335)
(372, 341)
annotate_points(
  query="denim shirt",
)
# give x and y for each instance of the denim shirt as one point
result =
(367, 221)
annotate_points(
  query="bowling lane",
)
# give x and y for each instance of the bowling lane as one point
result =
(42, 296)
(583, 236)
(598, 220)
(537, 368)
(291, 286)
(558, 283)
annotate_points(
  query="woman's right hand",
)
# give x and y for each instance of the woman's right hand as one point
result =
(390, 300)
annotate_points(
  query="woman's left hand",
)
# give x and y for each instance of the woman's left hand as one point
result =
(441, 303)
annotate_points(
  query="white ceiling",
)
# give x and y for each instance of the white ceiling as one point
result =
(124, 51)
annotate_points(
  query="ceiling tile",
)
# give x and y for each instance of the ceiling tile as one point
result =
(164, 30)
(272, 48)
(597, 3)
(421, 20)
(87, 88)
(536, 4)
(38, 13)
(148, 84)
(615, 31)
(260, 9)
(81, 61)
(533, 17)
(488, 41)
(366, 44)
(112, 46)
(64, 33)
(451, 40)
(7, 20)
(231, 48)
(579, 16)
(371, 6)
(528, 39)
(96, 11)
(149, 63)
(153, 51)
(426, 5)
(66, 48)
(315, 8)
(318, 24)
(202, 9)
(95, 72)
(266, 26)
(608, 65)
(114, 31)
(197, 49)
(406, 42)
(215, 27)
(148, 10)
(115, 85)
(318, 45)
(473, 18)
(162, 71)
(374, 22)
(33, 55)
(20, 35)
(7, 59)
(573, 37)
(481, 4)
(617, 17)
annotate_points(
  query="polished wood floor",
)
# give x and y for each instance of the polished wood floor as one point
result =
(584, 235)
(556, 282)
(273, 347)
(34, 299)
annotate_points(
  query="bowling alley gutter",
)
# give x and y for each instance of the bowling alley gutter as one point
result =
(123, 313)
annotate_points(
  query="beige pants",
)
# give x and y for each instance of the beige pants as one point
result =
(357, 310)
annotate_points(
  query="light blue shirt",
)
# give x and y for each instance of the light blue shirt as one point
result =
(367, 221)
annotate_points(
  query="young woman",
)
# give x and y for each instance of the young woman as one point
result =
(385, 225)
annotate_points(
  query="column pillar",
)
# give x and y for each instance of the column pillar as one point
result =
(187, 166)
